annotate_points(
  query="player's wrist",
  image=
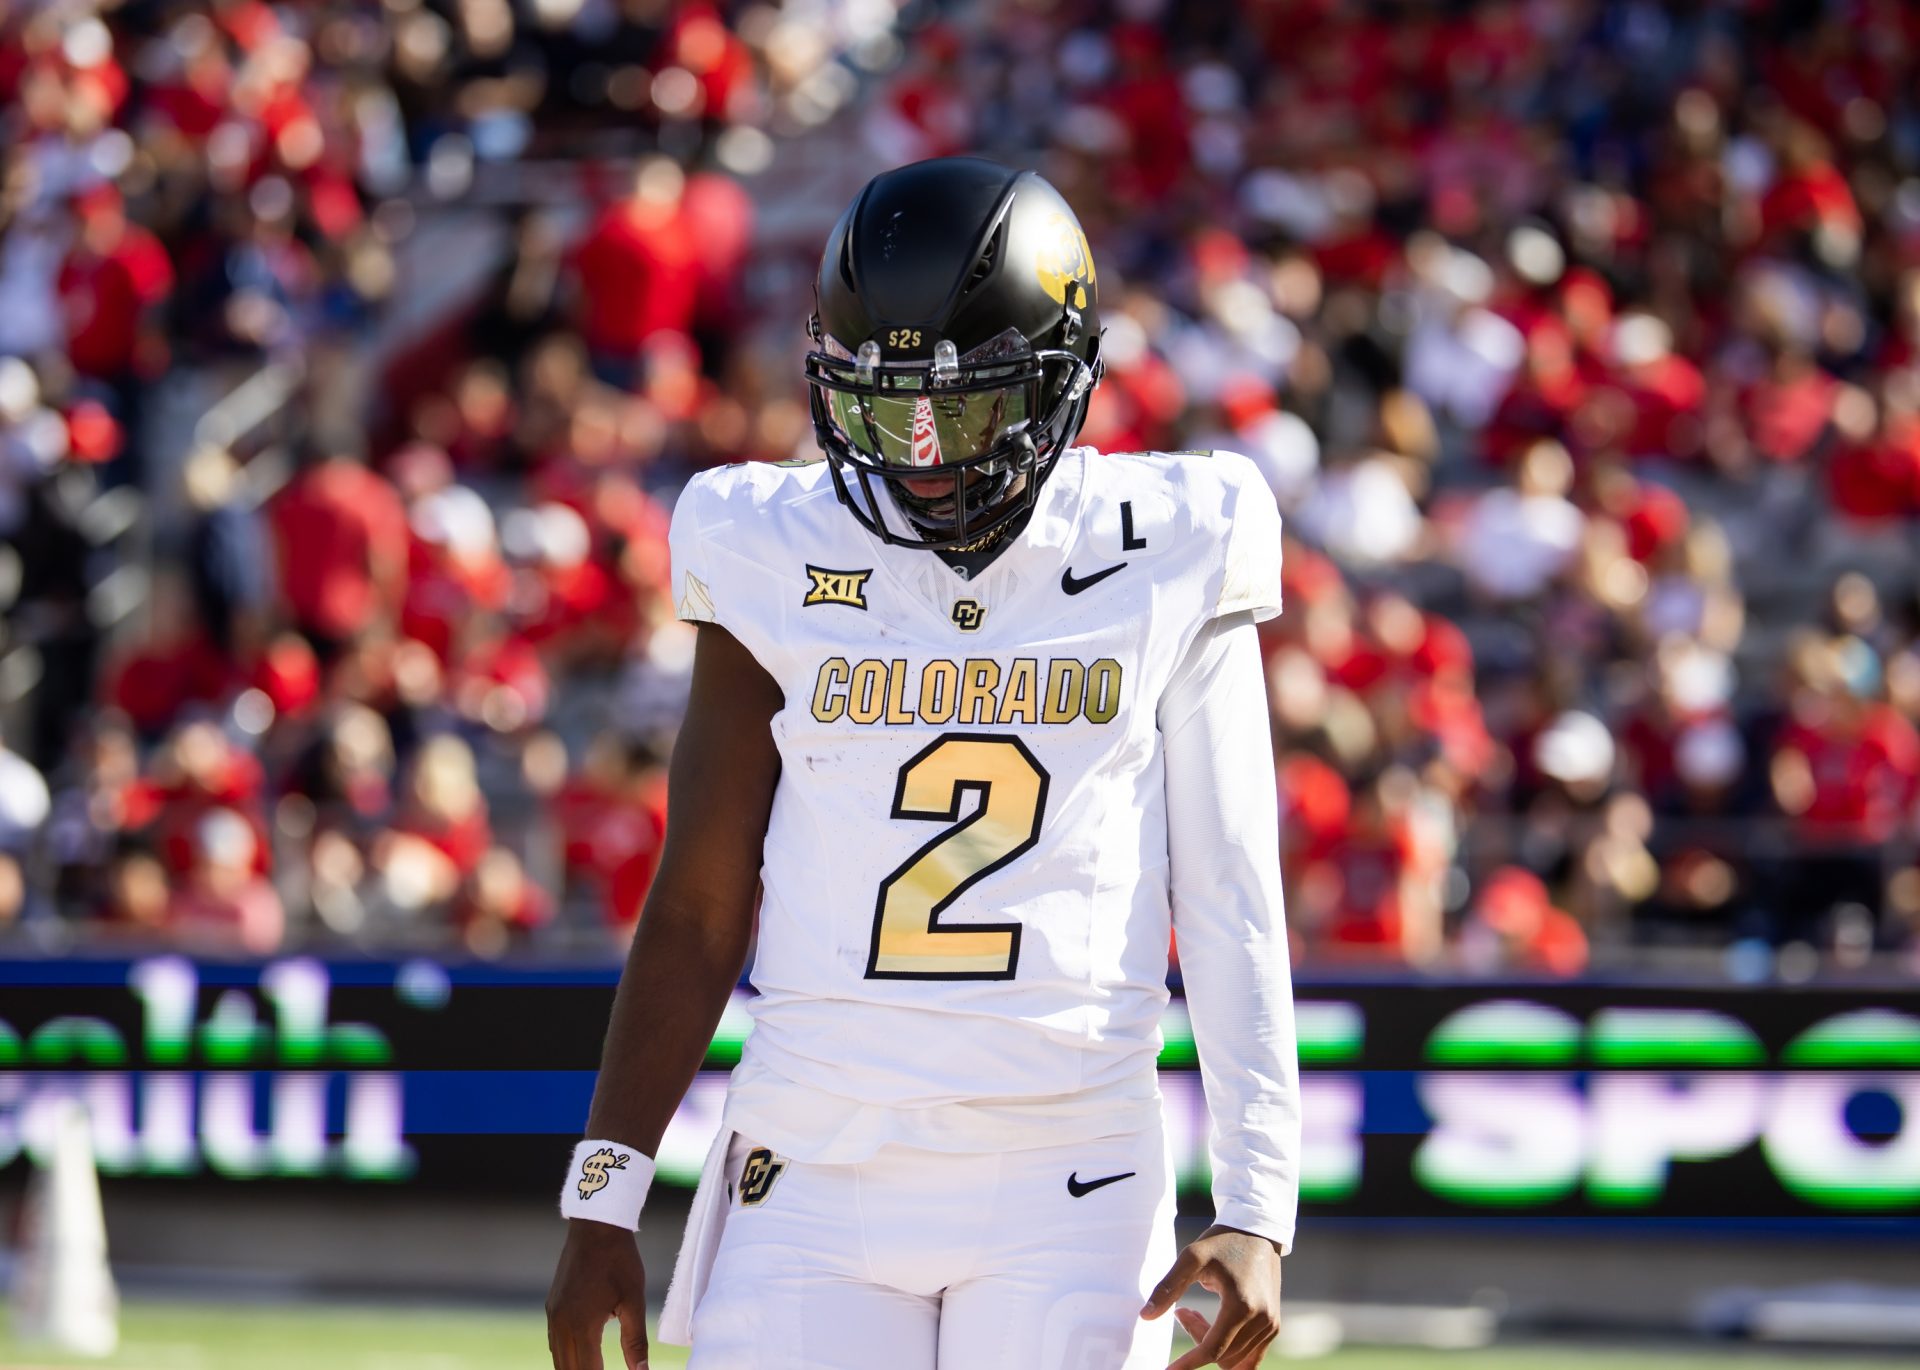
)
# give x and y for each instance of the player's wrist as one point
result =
(589, 1233)
(607, 1184)
(1226, 1229)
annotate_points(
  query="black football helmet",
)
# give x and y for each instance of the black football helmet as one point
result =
(957, 342)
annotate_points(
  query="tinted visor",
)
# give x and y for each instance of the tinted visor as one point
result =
(947, 439)
(927, 428)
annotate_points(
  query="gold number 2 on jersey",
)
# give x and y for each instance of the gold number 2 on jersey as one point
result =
(909, 941)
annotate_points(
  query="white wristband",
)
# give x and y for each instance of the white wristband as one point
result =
(607, 1183)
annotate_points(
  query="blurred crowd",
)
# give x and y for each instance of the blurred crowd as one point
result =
(1579, 341)
(330, 684)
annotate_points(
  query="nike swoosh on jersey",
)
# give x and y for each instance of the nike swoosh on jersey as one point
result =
(1073, 584)
(1081, 1188)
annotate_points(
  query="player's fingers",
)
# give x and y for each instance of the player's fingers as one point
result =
(1228, 1325)
(633, 1335)
(1206, 1353)
(1190, 1318)
(1225, 1322)
(559, 1346)
(1260, 1351)
(1252, 1359)
(1186, 1267)
(573, 1347)
(1243, 1346)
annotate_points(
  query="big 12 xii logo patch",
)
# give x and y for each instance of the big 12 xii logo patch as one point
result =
(593, 1170)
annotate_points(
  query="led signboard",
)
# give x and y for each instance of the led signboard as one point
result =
(1421, 1098)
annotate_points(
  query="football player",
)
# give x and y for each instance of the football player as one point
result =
(982, 716)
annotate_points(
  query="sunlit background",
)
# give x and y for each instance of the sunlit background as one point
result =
(352, 355)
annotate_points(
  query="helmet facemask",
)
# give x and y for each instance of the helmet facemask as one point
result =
(961, 443)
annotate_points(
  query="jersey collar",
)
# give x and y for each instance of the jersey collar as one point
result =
(1032, 559)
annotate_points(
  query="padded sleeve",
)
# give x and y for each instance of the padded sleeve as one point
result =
(1224, 846)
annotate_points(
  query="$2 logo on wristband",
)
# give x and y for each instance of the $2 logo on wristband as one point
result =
(593, 1171)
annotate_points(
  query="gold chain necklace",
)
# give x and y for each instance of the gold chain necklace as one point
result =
(984, 541)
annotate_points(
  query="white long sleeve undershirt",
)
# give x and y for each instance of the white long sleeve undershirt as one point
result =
(1228, 917)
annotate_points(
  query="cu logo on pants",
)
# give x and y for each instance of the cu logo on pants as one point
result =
(758, 1174)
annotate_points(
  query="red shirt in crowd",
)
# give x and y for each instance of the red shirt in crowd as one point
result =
(1136, 407)
(1147, 99)
(613, 840)
(171, 811)
(1785, 415)
(1541, 404)
(1879, 478)
(700, 41)
(342, 536)
(104, 297)
(1654, 518)
(463, 840)
(1812, 196)
(1315, 805)
(1667, 397)
(248, 918)
(1865, 773)
(1371, 868)
(638, 272)
(152, 684)
(1531, 933)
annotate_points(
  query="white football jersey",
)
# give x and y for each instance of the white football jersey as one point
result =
(966, 912)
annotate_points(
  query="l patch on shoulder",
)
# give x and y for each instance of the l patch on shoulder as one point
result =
(837, 587)
(757, 1176)
(1140, 526)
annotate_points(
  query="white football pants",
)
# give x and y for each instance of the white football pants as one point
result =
(920, 1260)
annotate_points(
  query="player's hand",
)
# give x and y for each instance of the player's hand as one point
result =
(1244, 1270)
(599, 1279)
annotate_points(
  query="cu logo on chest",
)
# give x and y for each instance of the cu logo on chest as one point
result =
(968, 615)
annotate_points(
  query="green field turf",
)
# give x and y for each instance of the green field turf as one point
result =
(158, 1336)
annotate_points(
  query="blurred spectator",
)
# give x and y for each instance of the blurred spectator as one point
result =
(229, 560)
(1517, 540)
(341, 536)
(93, 808)
(1846, 769)
(498, 904)
(1375, 891)
(33, 441)
(613, 818)
(112, 285)
(1514, 927)
(223, 903)
(523, 301)
(1364, 512)
(636, 272)
(347, 771)
(198, 770)
(440, 833)
(136, 895)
